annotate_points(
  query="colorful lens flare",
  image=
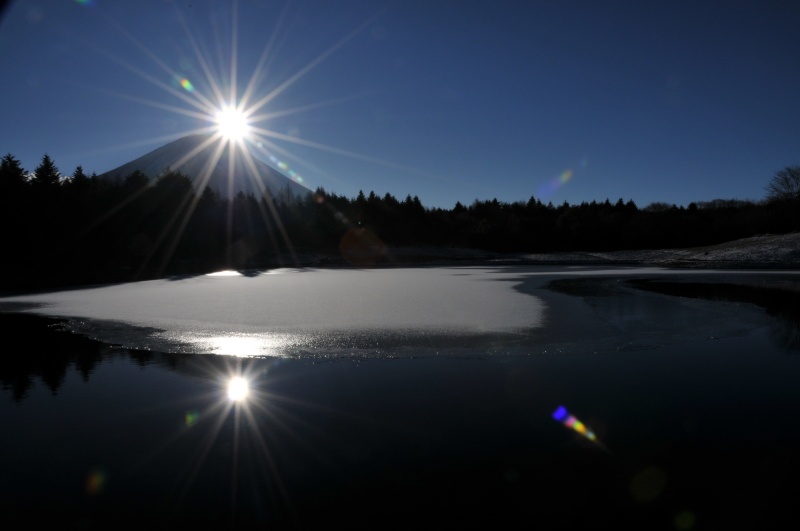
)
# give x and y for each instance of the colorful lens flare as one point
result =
(562, 415)
(547, 189)
(284, 166)
(95, 481)
(185, 83)
(191, 418)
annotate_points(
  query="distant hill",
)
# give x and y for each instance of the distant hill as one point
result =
(169, 155)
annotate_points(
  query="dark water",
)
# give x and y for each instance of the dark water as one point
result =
(695, 435)
(781, 300)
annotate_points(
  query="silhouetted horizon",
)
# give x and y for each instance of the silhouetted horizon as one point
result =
(87, 229)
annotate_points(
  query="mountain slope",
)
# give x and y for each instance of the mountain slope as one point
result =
(154, 163)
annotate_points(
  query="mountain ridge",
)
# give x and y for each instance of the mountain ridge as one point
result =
(155, 162)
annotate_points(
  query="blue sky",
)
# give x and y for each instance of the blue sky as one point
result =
(448, 100)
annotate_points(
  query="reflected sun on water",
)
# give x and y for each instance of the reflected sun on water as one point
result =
(226, 273)
(238, 389)
(243, 345)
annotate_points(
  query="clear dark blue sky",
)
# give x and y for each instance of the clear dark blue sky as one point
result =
(668, 101)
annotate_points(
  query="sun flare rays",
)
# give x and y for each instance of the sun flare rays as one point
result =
(234, 116)
(240, 415)
(232, 124)
(229, 115)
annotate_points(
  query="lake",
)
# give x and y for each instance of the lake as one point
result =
(396, 398)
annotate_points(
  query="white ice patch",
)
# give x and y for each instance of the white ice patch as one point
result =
(240, 314)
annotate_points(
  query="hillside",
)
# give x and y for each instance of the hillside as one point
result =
(170, 155)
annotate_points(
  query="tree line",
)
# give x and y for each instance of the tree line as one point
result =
(84, 229)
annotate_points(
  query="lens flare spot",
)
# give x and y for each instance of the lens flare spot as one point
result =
(238, 389)
(647, 485)
(684, 520)
(562, 415)
(550, 187)
(185, 83)
(95, 481)
(191, 418)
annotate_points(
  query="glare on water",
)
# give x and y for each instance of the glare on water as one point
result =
(237, 389)
(241, 345)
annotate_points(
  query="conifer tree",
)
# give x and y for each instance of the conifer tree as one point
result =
(46, 174)
(390, 200)
(209, 196)
(14, 200)
(79, 181)
(12, 176)
(135, 182)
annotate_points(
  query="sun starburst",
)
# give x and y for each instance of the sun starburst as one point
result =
(234, 120)
(232, 124)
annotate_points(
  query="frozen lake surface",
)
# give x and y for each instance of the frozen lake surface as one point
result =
(396, 312)
(406, 397)
(279, 311)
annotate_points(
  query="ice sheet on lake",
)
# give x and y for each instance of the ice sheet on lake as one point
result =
(277, 311)
(417, 312)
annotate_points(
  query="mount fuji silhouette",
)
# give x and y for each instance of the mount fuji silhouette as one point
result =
(169, 155)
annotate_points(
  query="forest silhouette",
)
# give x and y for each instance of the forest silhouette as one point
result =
(78, 229)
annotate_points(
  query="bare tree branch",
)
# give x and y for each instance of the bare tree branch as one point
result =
(785, 184)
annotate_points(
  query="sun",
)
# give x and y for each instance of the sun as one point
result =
(237, 389)
(232, 123)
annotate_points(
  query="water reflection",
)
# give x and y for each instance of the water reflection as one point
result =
(227, 273)
(253, 272)
(786, 332)
(240, 345)
(201, 426)
(314, 443)
(238, 389)
(613, 314)
(780, 300)
(45, 353)
(48, 354)
(641, 318)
